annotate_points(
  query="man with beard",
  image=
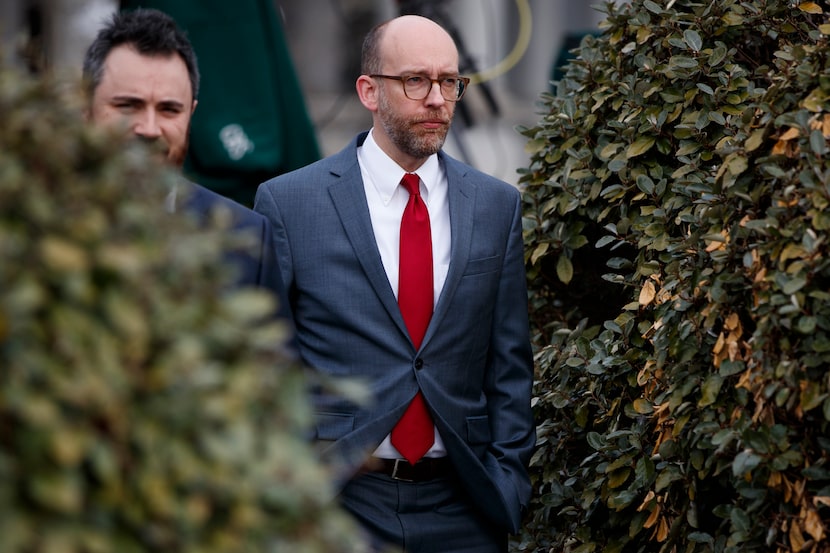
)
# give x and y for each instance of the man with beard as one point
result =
(142, 76)
(404, 270)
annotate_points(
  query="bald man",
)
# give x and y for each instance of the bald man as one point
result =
(404, 268)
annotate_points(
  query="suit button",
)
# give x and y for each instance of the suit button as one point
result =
(419, 363)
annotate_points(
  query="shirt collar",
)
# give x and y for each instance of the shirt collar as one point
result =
(385, 174)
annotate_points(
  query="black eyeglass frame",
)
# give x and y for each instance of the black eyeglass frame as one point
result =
(463, 83)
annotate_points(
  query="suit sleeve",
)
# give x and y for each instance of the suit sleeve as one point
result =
(266, 205)
(270, 277)
(510, 378)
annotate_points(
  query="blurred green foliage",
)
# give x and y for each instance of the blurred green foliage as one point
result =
(144, 405)
(676, 226)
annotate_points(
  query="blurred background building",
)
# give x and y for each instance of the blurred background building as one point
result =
(510, 47)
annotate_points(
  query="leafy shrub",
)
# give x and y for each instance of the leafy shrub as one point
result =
(676, 227)
(143, 405)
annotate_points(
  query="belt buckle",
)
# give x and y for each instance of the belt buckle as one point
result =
(395, 471)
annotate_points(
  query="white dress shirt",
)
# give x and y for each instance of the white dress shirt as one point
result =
(387, 200)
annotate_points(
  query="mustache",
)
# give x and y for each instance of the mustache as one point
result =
(155, 143)
(433, 119)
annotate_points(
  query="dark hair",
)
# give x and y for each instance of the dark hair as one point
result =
(370, 58)
(150, 32)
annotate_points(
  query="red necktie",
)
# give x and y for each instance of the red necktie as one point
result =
(413, 435)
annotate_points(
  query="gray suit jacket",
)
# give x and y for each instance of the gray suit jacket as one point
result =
(474, 366)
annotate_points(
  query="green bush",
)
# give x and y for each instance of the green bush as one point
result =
(143, 405)
(676, 226)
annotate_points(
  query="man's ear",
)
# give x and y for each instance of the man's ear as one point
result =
(193, 107)
(367, 91)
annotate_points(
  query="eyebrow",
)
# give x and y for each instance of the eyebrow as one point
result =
(125, 98)
(129, 98)
(172, 104)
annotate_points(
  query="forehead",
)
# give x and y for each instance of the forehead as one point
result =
(418, 46)
(127, 72)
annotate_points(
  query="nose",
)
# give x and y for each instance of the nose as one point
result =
(146, 125)
(435, 98)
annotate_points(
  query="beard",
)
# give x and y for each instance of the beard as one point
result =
(176, 153)
(161, 150)
(176, 156)
(416, 143)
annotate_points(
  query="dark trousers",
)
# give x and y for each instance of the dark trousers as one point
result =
(420, 517)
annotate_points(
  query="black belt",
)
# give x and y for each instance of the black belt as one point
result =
(400, 469)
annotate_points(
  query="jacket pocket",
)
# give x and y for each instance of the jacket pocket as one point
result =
(483, 265)
(331, 426)
(478, 429)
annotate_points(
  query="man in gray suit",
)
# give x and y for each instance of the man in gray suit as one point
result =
(437, 461)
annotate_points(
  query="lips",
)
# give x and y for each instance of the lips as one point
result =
(434, 124)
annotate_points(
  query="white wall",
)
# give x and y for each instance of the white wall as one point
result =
(68, 26)
(489, 29)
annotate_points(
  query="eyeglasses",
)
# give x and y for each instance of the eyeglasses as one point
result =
(418, 87)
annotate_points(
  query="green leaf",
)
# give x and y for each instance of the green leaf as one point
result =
(644, 470)
(806, 324)
(618, 478)
(639, 146)
(621, 500)
(741, 520)
(705, 88)
(665, 477)
(710, 389)
(811, 396)
(818, 144)
(688, 147)
(729, 368)
(683, 62)
(645, 184)
(535, 146)
(643, 406)
(718, 55)
(575, 242)
(652, 6)
(732, 19)
(701, 537)
(693, 39)
(62, 492)
(610, 150)
(539, 251)
(595, 440)
(755, 140)
(745, 462)
(564, 269)
(793, 285)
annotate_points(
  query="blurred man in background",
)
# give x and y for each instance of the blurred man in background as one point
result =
(142, 75)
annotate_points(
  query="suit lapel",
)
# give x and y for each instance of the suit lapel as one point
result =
(350, 203)
(461, 197)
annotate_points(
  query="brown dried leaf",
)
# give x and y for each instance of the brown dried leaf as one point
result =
(663, 530)
(647, 293)
(810, 7)
(653, 517)
(796, 537)
(813, 525)
(790, 134)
